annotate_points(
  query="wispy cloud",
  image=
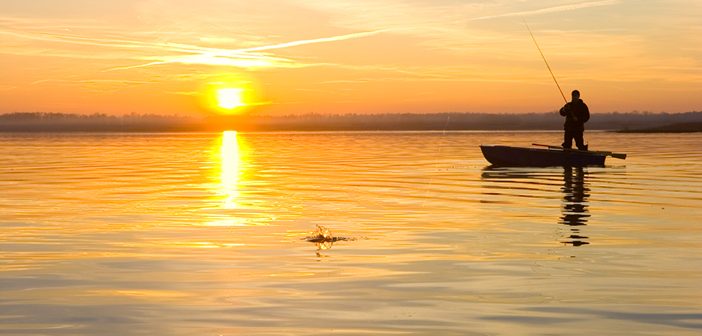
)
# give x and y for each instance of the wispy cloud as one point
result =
(311, 41)
(247, 57)
(111, 43)
(90, 81)
(553, 9)
(159, 52)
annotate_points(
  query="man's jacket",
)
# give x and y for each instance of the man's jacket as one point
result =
(576, 113)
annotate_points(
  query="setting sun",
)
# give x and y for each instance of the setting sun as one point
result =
(230, 98)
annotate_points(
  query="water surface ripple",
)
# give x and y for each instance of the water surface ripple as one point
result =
(183, 234)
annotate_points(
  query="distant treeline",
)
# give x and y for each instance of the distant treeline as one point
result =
(65, 122)
(61, 122)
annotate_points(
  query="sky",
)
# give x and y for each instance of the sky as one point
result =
(348, 56)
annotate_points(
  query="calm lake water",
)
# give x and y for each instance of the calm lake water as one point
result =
(203, 234)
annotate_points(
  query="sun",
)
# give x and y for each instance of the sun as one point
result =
(230, 98)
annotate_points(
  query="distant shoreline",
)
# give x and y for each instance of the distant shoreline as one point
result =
(615, 122)
(692, 127)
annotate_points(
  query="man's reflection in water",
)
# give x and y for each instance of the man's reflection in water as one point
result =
(575, 213)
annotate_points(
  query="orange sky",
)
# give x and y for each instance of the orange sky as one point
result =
(348, 56)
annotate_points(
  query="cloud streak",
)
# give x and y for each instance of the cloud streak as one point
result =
(159, 53)
(312, 41)
(554, 9)
(248, 57)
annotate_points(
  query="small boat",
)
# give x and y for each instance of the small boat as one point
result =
(544, 157)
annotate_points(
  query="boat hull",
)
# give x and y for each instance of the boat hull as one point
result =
(537, 157)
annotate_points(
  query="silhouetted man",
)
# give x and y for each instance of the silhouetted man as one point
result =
(577, 114)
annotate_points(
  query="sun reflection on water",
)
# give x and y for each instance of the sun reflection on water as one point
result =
(233, 205)
(231, 155)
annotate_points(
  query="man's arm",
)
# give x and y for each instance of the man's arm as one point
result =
(565, 110)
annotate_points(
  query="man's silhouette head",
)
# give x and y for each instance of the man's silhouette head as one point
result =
(575, 94)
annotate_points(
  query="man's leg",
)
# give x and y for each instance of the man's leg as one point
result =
(579, 141)
(567, 139)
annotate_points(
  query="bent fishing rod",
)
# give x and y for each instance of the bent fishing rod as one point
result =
(545, 61)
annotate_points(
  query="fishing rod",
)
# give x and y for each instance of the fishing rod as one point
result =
(545, 61)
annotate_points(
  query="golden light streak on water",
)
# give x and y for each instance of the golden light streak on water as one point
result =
(230, 168)
(229, 175)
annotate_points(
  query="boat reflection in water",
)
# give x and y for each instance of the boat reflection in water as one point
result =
(567, 184)
(575, 213)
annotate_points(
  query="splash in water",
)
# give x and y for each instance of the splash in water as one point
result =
(324, 239)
